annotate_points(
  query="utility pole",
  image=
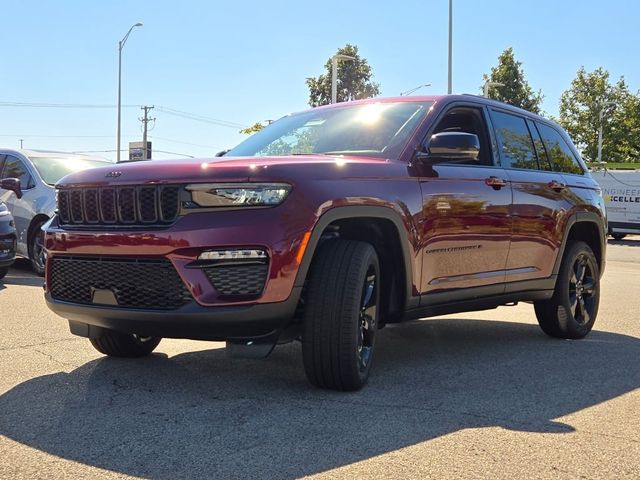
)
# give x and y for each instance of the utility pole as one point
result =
(21, 140)
(450, 81)
(145, 122)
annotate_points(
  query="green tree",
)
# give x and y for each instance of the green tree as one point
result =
(515, 90)
(581, 105)
(256, 127)
(354, 80)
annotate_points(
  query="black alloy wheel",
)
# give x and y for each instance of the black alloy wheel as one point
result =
(367, 319)
(572, 310)
(341, 315)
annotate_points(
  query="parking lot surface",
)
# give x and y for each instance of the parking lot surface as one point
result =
(474, 395)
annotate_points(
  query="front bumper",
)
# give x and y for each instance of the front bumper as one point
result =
(191, 321)
(7, 244)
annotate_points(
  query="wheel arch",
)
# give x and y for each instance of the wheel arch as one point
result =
(589, 228)
(41, 217)
(372, 224)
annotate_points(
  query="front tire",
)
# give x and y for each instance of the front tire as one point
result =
(3, 271)
(572, 310)
(618, 236)
(341, 315)
(125, 345)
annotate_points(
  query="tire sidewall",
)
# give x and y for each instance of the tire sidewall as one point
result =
(566, 321)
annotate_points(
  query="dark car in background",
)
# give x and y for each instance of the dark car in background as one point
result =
(329, 224)
(38, 171)
(7, 229)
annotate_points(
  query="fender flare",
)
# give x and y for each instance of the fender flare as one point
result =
(358, 211)
(583, 217)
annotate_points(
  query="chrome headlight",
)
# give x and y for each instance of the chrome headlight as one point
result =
(238, 194)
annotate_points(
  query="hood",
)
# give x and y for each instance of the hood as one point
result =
(233, 169)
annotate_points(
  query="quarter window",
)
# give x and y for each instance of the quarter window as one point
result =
(540, 150)
(560, 154)
(514, 139)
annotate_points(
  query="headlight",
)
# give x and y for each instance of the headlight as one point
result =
(3, 210)
(238, 195)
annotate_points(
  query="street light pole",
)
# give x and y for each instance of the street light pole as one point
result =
(488, 85)
(600, 115)
(334, 74)
(450, 81)
(409, 92)
(120, 47)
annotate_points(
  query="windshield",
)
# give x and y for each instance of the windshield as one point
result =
(370, 129)
(52, 169)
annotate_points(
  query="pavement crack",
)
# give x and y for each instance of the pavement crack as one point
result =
(31, 345)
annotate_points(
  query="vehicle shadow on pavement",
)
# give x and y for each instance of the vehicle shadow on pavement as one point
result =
(202, 415)
(20, 273)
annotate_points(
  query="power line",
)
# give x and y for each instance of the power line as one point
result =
(63, 136)
(170, 140)
(60, 105)
(169, 111)
(199, 118)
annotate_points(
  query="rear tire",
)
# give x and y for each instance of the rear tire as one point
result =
(618, 236)
(572, 310)
(3, 271)
(341, 315)
(126, 345)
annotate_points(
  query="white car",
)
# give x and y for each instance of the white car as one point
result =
(38, 172)
(621, 192)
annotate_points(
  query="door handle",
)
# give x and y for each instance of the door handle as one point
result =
(496, 182)
(557, 186)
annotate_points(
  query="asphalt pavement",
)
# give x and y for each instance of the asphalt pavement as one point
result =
(474, 395)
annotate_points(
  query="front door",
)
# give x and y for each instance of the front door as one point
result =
(465, 228)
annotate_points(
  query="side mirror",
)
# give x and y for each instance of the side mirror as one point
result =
(222, 153)
(12, 184)
(450, 146)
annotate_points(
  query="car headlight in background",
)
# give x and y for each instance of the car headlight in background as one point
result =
(238, 195)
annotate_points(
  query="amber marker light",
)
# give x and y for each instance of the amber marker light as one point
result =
(303, 246)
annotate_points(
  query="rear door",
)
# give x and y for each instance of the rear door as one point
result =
(540, 199)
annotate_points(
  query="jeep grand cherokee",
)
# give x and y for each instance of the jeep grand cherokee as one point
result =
(329, 224)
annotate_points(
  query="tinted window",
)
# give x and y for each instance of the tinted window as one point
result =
(468, 120)
(14, 168)
(514, 141)
(543, 159)
(560, 154)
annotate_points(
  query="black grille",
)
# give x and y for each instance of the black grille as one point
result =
(123, 205)
(238, 279)
(152, 284)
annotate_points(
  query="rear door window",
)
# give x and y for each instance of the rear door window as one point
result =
(560, 154)
(514, 141)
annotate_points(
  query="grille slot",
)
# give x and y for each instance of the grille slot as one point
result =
(123, 205)
(150, 284)
(238, 279)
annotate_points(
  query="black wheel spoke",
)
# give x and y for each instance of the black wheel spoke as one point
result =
(573, 303)
(589, 286)
(584, 313)
(580, 269)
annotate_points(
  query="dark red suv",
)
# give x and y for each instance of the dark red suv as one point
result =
(329, 224)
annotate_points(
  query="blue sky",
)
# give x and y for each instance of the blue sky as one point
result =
(241, 62)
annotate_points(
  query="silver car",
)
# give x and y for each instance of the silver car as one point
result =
(38, 171)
